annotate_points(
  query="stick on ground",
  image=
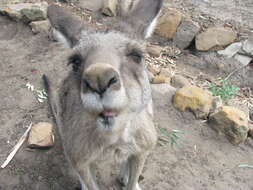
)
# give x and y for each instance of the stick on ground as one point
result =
(16, 147)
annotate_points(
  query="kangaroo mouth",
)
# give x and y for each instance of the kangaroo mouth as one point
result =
(106, 119)
(108, 113)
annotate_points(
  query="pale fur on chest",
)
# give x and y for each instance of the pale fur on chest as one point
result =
(121, 145)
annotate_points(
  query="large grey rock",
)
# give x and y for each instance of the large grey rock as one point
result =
(231, 50)
(248, 46)
(243, 59)
(186, 32)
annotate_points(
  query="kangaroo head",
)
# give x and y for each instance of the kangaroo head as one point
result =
(110, 65)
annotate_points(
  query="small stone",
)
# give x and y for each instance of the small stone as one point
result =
(232, 122)
(231, 50)
(41, 136)
(179, 81)
(166, 72)
(26, 12)
(215, 36)
(159, 79)
(93, 5)
(154, 50)
(243, 59)
(110, 8)
(40, 26)
(185, 34)
(195, 99)
(168, 23)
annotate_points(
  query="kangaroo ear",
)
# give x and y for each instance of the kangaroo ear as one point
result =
(143, 16)
(66, 27)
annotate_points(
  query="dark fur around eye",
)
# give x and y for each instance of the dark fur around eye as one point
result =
(136, 55)
(75, 60)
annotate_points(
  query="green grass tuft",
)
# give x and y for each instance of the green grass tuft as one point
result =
(170, 137)
(225, 90)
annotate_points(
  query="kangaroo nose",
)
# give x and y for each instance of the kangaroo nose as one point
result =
(99, 78)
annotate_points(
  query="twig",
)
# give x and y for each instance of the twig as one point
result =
(245, 166)
(16, 147)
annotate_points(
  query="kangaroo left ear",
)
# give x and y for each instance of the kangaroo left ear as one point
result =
(67, 27)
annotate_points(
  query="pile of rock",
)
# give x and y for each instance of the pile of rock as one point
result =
(33, 14)
(228, 120)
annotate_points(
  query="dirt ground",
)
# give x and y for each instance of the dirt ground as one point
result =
(203, 161)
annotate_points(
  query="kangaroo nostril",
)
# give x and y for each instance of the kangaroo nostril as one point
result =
(112, 81)
(88, 85)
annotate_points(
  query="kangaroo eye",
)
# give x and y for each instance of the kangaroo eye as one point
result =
(75, 60)
(136, 55)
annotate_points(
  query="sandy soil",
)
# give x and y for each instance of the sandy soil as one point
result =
(203, 161)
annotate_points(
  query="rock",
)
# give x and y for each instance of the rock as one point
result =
(159, 79)
(243, 59)
(195, 99)
(26, 12)
(179, 81)
(168, 23)
(93, 5)
(215, 36)
(232, 122)
(40, 26)
(239, 105)
(185, 34)
(110, 7)
(34, 14)
(216, 104)
(250, 133)
(41, 136)
(231, 50)
(248, 46)
(166, 72)
(154, 50)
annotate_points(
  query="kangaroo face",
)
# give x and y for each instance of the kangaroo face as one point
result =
(113, 79)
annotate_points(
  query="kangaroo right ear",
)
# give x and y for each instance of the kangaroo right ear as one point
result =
(143, 16)
(66, 27)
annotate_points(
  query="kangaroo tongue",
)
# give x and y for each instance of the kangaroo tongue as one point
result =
(108, 114)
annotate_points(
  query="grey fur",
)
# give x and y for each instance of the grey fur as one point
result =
(104, 104)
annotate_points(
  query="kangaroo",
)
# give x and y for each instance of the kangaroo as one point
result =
(105, 104)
